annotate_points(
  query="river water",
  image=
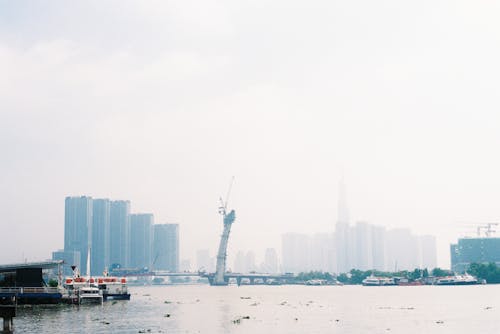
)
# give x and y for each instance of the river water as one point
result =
(278, 309)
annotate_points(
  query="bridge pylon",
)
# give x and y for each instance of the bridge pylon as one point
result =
(228, 219)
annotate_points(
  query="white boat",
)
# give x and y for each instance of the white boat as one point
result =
(464, 279)
(377, 281)
(89, 295)
(113, 287)
(316, 282)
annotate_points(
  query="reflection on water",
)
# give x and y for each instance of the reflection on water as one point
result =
(277, 309)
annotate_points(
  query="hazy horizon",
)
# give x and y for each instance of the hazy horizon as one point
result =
(162, 102)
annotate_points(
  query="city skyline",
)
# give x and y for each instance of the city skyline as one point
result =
(165, 102)
(114, 237)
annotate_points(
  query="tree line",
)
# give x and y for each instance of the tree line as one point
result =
(489, 272)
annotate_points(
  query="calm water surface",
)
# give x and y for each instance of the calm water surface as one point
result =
(278, 309)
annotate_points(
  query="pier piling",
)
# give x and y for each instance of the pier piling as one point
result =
(8, 312)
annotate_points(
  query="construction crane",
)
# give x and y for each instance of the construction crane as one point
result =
(228, 219)
(488, 230)
(481, 229)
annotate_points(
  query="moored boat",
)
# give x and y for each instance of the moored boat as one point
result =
(113, 287)
(377, 281)
(464, 279)
(89, 295)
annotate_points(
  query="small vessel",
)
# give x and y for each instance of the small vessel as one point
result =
(377, 281)
(113, 288)
(315, 282)
(464, 279)
(89, 295)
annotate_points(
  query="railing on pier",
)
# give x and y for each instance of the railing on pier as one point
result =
(24, 290)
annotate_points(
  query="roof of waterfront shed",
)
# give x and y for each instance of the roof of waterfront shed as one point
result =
(30, 265)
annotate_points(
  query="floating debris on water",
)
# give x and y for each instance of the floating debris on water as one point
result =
(167, 302)
(238, 320)
(440, 322)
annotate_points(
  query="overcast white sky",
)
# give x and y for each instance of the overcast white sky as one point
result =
(161, 102)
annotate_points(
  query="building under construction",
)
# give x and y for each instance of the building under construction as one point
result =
(484, 248)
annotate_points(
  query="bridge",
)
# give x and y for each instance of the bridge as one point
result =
(238, 278)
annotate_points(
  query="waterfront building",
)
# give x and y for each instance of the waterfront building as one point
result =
(119, 229)
(100, 236)
(78, 227)
(141, 240)
(474, 250)
(166, 247)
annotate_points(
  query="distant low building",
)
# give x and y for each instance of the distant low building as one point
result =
(69, 258)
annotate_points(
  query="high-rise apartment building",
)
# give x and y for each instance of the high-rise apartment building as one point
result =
(379, 251)
(100, 236)
(428, 251)
(78, 228)
(403, 250)
(295, 252)
(270, 264)
(166, 247)
(141, 240)
(363, 246)
(119, 233)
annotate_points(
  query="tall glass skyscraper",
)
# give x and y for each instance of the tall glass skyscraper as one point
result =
(119, 233)
(100, 236)
(141, 240)
(78, 228)
(166, 247)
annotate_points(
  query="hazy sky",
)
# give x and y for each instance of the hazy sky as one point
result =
(161, 102)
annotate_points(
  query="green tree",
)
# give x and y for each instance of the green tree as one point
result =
(53, 283)
(438, 272)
